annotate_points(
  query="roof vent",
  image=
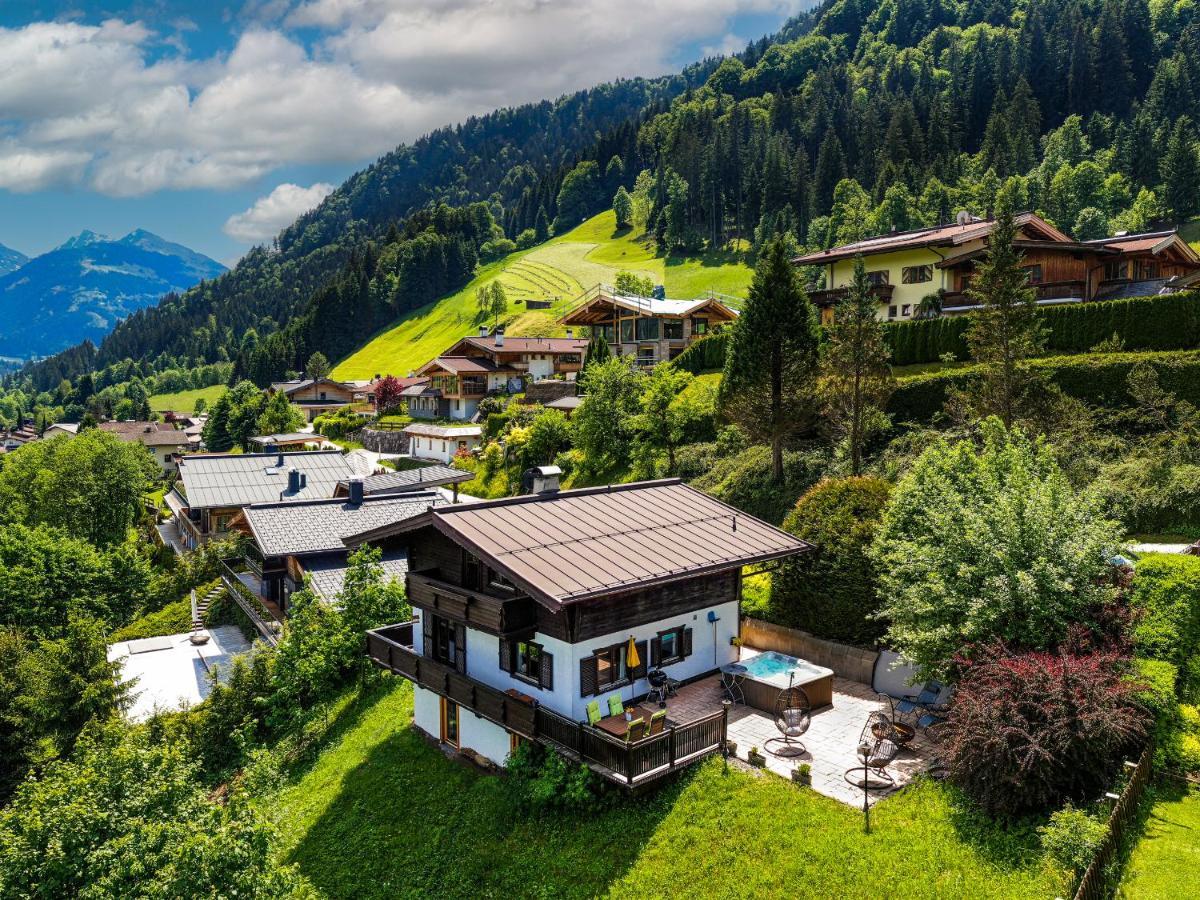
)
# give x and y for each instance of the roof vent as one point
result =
(499, 337)
(356, 491)
(964, 217)
(483, 329)
(280, 461)
(541, 480)
(293, 481)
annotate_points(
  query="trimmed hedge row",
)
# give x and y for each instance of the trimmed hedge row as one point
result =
(1098, 379)
(1166, 322)
(705, 355)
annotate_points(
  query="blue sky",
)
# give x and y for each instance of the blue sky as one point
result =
(215, 124)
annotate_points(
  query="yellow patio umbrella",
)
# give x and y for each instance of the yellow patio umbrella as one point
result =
(632, 661)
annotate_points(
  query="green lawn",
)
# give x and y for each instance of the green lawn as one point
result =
(558, 270)
(381, 813)
(1190, 232)
(185, 401)
(1166, 861)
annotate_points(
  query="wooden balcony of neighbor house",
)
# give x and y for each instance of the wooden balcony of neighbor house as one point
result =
(633, 765)
(1047, 290)
(472, 388)
(830, 296)
(508, 616)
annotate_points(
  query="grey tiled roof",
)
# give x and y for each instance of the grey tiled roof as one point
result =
(227, 479)
(299, 528)
(328, 572)
(413, 480)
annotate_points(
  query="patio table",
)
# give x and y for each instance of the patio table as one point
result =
(618, 727)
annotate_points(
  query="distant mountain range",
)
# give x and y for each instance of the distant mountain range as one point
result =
(83, 287)
(11, 259)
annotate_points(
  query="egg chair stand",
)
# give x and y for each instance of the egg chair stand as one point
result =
(793, 716)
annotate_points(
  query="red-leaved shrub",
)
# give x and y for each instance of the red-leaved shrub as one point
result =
(1028, 732)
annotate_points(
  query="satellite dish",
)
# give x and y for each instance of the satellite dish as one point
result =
(964, 217)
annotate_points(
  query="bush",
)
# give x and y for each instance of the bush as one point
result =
(705, 355)
(1030, 732)
(831, 592)
(1073, 837)
(744, 481)
(1164, 322)
(544, 780)
(174, 618)
(1166, 600)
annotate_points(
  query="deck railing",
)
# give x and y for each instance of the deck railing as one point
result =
(266, 624)
(631, 765)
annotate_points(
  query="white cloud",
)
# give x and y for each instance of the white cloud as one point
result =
(104, 107)
(271, 214)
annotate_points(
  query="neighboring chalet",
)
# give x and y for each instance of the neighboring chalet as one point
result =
(291, 540)
(423, 478)
(441, 443)
(165, 443)
(214, 488)
(525, 609)
(648, 329)
(16, 438)
(59, 429)
(907, 266)
(320, 395)
(477, 366)
(295, 440)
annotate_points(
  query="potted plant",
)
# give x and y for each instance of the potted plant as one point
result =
(755, 758)
(802, 774)
(730, 747)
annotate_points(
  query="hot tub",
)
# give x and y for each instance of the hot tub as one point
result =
(765, 674)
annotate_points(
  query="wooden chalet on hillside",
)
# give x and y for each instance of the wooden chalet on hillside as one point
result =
(319, 395)
(649, 329)
(525, 610)
(476, 366)
(907, 266)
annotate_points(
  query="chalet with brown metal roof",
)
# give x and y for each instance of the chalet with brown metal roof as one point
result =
(906, 267)
(648, 329)
(532, 611)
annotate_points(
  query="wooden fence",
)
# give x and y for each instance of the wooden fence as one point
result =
(1095, 885)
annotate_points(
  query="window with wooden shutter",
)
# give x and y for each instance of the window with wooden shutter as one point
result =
(460, 648)
(506, 655)
(547, 674)
(655, 652)
(427, 634)
(587, 676)
(687, 642)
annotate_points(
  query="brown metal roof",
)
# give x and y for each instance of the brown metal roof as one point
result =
(571, 546)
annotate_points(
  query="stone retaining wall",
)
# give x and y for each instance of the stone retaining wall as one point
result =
(846, 661)
(383, 441)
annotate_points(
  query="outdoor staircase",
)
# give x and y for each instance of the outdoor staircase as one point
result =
(200, 609)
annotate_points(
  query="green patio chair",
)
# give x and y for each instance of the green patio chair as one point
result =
(593, 712)
(615, 706)
(658, 721)
(637, 730)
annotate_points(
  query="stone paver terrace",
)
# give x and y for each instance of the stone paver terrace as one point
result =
(831, 742)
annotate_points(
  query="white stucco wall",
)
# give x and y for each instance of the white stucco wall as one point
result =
(478, 734)
(427, 711)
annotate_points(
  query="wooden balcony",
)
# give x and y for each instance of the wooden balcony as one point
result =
(634, 766)
(506, 617)
(831, 296)
(1047, 290)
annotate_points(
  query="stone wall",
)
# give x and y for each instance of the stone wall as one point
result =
(383, 441)
(846, 661)
(550, 389)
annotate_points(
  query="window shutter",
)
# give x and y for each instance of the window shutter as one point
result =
(687, 642)
(587, 676)
(655, 652)
(640, 671)
(546, 676)
(460, 648)
(506, 655)
(426, 632)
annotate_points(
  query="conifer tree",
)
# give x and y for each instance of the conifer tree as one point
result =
(1181, 172)
(216, 428)
(768, 385)
(623, 207)
(856, 379)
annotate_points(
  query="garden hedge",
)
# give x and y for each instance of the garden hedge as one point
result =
(1164, 322)
(706, 355)
(1098, 379)
(1166, 594)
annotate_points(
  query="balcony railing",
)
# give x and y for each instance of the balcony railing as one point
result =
(830, 296)
(260, 617)
(631, 765)
(502, 616)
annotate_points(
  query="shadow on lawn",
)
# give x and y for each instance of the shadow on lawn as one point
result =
(1010, 845)
(409, 822)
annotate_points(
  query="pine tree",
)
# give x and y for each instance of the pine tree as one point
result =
(541, 226)
(768, 385)
(856, 379)
(831, 169)
(1006, 329)
(623, 207)
(317, 366)
(1181, 172)
(216, 428)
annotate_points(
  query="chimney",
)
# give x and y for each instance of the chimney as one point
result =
(570, 333)
(545, 479)
(280, 462)
(483, 331)
(293, 481)
(499, 337)
(356, 491)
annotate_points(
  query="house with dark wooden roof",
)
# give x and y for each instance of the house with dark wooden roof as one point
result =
(290, 541)
(905, 267)
(648, 329)
(477, 366)
(530, 609)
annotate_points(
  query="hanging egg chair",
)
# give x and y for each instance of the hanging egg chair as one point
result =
(793, 716)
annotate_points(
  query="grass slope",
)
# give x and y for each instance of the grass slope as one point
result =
(185, 401)
(381, 813)
(558, 270)
(1166, 861)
